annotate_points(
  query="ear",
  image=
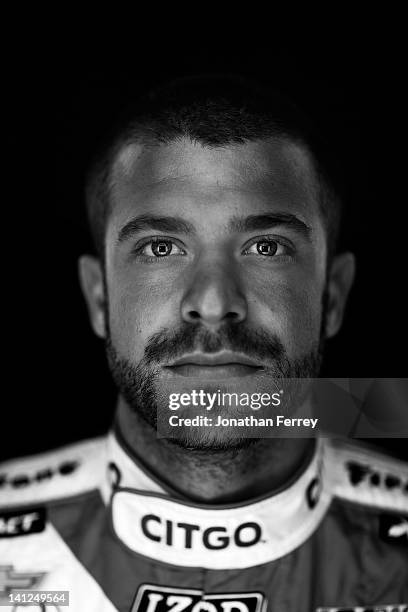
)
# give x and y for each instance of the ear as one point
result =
(91, 281)
(340, 280)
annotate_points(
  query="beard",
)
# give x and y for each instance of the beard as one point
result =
(139, 384)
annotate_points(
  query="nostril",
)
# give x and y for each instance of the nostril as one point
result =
(193, 314)
(232, 316)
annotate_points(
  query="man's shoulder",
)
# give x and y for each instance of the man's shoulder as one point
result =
(364, 475)
(64, 472)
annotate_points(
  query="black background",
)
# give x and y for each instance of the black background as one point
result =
(56, 386)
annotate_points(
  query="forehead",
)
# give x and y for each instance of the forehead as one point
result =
(273, 173)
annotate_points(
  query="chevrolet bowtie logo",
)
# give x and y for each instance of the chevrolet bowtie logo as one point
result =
(11, 579)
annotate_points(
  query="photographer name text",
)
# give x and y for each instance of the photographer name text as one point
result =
(247, 421)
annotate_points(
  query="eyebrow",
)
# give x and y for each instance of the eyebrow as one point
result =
(237, 224)
(269, 220)
(152, 222)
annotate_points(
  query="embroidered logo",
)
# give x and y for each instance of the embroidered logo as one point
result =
(364, 474)
(215, 537)
(11, 579)
(153, 598)
(24, 522)
(19, 481)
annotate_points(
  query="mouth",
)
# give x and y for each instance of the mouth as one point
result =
(217, 366)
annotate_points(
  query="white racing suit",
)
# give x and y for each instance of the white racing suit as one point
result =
(89, 520)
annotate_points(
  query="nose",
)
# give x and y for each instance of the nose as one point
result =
(214, 297)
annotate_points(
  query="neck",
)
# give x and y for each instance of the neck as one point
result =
(226, 476)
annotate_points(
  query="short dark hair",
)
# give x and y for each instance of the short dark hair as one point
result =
(214, 111)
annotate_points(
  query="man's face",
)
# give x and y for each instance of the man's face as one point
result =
(215, 271)
(215, 267)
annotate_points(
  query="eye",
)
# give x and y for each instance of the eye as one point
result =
(267, 247)
(158, 248)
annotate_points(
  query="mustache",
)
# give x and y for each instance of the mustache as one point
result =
(169, 344)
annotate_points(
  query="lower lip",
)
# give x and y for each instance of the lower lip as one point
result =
(216, 372)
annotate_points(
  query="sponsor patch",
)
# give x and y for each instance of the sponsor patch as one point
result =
(19, 481)
(360, 473)
(153, 598)
(23, 522)
(394, 529)
(212, 538)
(11, 579)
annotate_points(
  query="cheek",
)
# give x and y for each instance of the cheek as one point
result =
(136, 312)
(291, 310)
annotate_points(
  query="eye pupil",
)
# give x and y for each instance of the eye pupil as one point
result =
(267, 247)
(160, 249)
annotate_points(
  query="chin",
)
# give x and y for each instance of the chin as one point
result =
(211, 444)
